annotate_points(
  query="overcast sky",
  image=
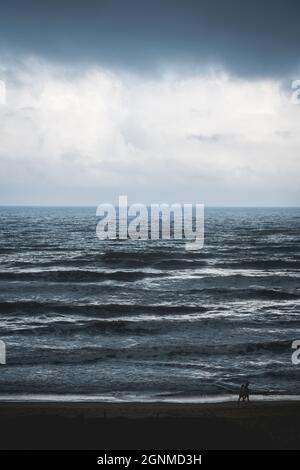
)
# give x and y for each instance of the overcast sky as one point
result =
(165, 101)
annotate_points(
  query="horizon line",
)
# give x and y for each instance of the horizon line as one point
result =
(148, 204)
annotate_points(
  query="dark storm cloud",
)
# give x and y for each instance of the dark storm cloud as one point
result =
(252, 38)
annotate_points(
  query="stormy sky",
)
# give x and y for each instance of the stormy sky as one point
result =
(165, 101)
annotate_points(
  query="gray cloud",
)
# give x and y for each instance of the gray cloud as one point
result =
(249, 38)
(210, 139)
(100, 134)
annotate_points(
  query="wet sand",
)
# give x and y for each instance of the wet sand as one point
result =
(141, 426)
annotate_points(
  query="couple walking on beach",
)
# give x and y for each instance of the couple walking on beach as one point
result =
(244, 392)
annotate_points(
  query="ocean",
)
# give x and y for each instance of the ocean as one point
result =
(84, 319)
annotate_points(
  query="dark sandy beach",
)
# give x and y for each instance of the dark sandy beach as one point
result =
(263, 425)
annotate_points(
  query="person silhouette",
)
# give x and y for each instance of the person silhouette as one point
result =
(241, 394)
(246, 392)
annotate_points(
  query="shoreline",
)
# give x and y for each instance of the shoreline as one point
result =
(180, 399)
(132, 409)
(50, 425)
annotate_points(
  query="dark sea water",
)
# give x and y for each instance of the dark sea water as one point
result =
(127, 320)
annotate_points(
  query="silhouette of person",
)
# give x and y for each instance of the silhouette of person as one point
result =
(246, 392)
(241, 394)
